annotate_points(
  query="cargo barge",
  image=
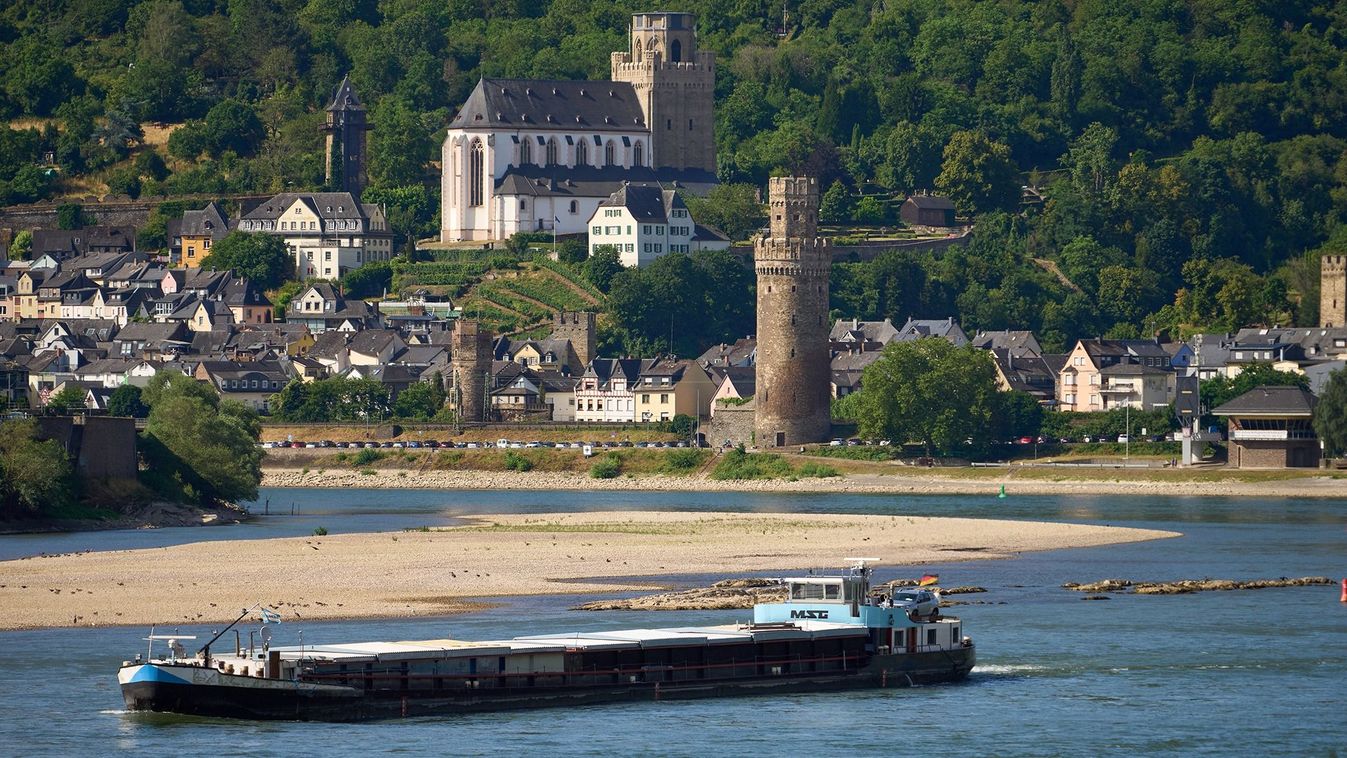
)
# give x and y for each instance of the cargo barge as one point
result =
(831, 633)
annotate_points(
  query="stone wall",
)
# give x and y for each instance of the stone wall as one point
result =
(731, 422)
(1274, 453)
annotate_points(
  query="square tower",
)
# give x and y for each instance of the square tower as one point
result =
(345, 145)
(1333, 290)
(675, 84)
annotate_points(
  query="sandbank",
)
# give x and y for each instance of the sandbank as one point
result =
(417, 573)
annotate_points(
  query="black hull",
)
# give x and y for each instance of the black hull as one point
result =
(355, 705)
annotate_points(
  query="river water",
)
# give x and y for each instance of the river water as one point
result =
(1221, 673)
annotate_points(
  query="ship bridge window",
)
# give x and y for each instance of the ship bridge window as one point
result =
(816, 591)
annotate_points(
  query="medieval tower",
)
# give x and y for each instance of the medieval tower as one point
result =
(580, 328)
(793, 401)
(1333, 290)
(675, 84)
(345, 128)
(471, 362)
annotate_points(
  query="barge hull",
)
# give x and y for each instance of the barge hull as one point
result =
(330, 703)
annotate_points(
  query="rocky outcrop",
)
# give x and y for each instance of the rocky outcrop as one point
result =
(730, 594)
(1185, 586)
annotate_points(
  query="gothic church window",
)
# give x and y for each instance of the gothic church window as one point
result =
(475, 161)
(525, 152)
(638, 155)
(608, 150)
(581, 153)
(552, 152)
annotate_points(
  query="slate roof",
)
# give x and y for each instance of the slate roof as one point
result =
(645, 202)
(551, 105)
(344, 99)
(597, 181)
(1270, 401)
(933, 202)
(207, 222)
(333, 205)
(1019, 343)
(855, 330)
(918, 328)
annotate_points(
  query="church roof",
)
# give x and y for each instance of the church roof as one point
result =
(596, 181)
(345, 99)
(551, 105)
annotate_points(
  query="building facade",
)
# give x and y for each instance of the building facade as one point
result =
(329, 233)
(793, 395)
(529, 155)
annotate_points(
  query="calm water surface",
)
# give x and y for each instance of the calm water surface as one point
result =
(1222, 673)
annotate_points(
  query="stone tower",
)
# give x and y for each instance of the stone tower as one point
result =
(675, 83)
(1333, 290)
(345, 128)
(580, 329)
(471, 362)
(794, 379)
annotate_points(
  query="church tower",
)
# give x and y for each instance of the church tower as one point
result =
(345, 128)
(794, 389)
(675, 83)
(1333, 290)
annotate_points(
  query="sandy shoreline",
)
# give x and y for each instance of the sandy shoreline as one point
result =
(1126, 482)
(398, 574)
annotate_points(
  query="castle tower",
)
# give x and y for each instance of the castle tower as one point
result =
(1333, 290)
(345, 128)
(581, 330)
(675, 83)
(793, 402)
(471, 362)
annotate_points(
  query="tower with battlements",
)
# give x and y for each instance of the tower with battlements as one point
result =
(793, 399)
(471, 363)
(345, 128)
(1333, 290)
(675, 86)
(580, 328)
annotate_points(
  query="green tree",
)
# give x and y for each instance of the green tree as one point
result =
(72, 397)
(1021, 415)
(732, 208)
(421, 401)
(1220, 390)
(931, 392)
(400, 144)
(370, 280)
(208, 447)
(602, 266)
(70, 216)
(22, 246)
(835, 205)
(232, 125)
(572, 251)
(1330, 415)
(978, 174)
(35, 475)
(868, 211)
(262, 258)
(125, 401)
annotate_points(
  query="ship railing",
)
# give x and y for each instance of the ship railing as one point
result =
(624, 674)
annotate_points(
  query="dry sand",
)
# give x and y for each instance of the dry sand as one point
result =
(436, 572)
(934, 482)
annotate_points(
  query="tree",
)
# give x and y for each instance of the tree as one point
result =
(1220, 390)
(22, 246)
(421, 401)
(732, 208)
(868, 211)
(835, 205)
(234, 126)
(1021, 415)
(370, 280)
(572, 251)
(125, 401)
(72, 397)
(262, 258)
(207, 446)
(70, 216)
(931, 392)
(35, 475)
(1330, 415)
(978, 174)
(602, 266)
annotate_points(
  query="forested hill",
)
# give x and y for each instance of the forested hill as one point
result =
(1187, 151)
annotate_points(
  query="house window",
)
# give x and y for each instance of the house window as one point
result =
(664, 398)
(597, 231)
(475, 161)
(1080, 361)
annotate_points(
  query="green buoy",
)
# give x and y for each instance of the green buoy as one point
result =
(1003, 491)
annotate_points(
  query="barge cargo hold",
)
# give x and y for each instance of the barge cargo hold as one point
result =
(831, 633)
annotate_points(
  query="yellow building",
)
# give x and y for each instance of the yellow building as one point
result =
(198, 230)
(672, 387)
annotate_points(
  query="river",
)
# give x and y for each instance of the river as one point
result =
(1219, 673)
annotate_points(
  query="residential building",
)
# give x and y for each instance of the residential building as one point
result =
(606, 391)
(1018, 344)
(669, 387)
(643, 223)
(736, 386)
(1083, 387)
(1026, 373)
(252, 384)
(945, 328)
(329, 233)
(321, 307)
(197, 231)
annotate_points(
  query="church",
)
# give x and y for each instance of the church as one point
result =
(533, 155)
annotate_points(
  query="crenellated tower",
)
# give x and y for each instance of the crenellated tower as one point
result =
(793, 400)
(1333, 290)
(675, 83)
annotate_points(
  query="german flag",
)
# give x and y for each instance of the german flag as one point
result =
(928, 580)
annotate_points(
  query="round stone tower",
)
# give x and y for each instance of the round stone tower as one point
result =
(471, 361)
(792, 262)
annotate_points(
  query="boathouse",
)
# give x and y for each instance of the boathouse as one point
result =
(1270, 427)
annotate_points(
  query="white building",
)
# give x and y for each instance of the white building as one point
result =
(645, 222)
(329, 233)
(538, 155)
(607, 390)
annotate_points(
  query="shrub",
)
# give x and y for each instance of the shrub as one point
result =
(607, 467)
(738, 464)
(679, 461)
(366, 456)
(516, 462)
(320, 532)
(813, 470)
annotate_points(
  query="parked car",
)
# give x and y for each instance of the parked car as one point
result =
(1122, 438)
(836, 443)
(472, 445)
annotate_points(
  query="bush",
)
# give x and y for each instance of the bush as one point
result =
(678, 461)
(516, 462)
(607, 467)
(738, 464)
(813, 470)
(320, 532)
(366, 456)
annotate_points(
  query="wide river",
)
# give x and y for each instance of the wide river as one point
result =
(1222, 673)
